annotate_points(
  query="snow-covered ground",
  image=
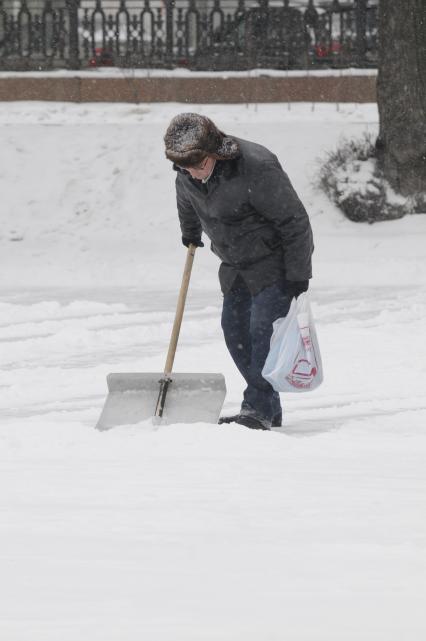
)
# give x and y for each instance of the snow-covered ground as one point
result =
(182, 72)
(314, 532)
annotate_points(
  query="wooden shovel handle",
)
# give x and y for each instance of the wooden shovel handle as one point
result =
(179, 310)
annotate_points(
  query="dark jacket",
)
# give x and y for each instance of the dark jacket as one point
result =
(256, 223)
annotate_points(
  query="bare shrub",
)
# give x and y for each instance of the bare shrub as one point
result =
(354, 181)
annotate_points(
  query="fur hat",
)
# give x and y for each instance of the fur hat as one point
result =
(191, 137)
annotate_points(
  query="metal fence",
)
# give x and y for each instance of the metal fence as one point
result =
(203, 34)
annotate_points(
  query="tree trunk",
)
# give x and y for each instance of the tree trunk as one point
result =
(401, 94)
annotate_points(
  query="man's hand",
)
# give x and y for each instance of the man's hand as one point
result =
(296, 287)
(192, 241)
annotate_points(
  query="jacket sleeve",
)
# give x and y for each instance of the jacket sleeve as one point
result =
(272, 195)
(189, 222)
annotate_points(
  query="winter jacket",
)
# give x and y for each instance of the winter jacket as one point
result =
(256, 223)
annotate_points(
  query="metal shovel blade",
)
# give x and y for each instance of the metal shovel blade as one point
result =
(191, 398)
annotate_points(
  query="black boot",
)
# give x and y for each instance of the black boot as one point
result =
(252, 422)
(228, 419)
(276, 421)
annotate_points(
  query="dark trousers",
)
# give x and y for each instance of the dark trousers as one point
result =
(247, 327)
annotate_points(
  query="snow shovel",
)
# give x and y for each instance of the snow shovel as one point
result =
(167, 398)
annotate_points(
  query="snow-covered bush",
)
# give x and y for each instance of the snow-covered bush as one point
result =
(352, 178)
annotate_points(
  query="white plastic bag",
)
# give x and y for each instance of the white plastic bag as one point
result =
(294, 360)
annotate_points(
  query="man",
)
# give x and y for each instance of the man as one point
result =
(237, 193)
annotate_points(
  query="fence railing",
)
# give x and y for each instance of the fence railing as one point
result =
(203, 34)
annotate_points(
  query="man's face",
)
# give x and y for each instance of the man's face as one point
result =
(202, 170)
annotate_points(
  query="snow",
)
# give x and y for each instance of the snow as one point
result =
(119, 72)
(356, 177)
(316, 530)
